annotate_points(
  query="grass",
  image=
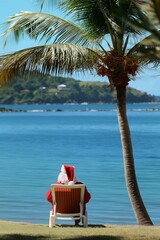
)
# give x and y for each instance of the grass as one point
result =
(26, 231)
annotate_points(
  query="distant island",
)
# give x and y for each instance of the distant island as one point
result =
(50, 89)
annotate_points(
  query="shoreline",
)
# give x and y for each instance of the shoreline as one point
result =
(9, 110)
(99, 225)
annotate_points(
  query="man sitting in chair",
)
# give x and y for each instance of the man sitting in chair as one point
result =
(67, 177)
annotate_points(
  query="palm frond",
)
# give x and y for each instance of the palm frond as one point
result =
(47, 28)
(148, 11)
(47, 59)
(147, 51)
(156, 7)
(152, 8)
(90, 14)
(101, 17)
(96, 13)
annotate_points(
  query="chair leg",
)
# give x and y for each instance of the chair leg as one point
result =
(85, 220)
(51, 220)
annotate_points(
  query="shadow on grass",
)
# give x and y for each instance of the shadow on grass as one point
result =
(22, 237)
(98, 238)
(96, 225)
(81, 226)
(29, 237)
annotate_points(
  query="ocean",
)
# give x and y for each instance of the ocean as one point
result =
(35, 142)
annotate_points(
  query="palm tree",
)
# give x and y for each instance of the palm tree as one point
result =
(79, 46)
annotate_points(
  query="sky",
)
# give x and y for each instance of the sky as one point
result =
(147, 81)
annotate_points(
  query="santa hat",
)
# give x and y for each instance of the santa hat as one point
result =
(69, 170)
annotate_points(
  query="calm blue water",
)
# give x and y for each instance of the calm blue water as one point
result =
(34, 145)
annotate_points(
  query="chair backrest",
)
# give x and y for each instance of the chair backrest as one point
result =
(68, 197)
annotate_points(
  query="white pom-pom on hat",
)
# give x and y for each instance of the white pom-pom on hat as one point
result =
(71, 183)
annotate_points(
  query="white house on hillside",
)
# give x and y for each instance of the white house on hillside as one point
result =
(63, 87)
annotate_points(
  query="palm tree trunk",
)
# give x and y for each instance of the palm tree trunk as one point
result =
(130, 175)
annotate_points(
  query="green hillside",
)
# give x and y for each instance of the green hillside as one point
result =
(49, 89)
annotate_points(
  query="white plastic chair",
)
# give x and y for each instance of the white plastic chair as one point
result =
(68, 202)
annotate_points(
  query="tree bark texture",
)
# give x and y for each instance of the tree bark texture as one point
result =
(140, 211)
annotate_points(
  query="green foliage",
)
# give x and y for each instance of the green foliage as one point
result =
(48, 89)
(76, 45)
